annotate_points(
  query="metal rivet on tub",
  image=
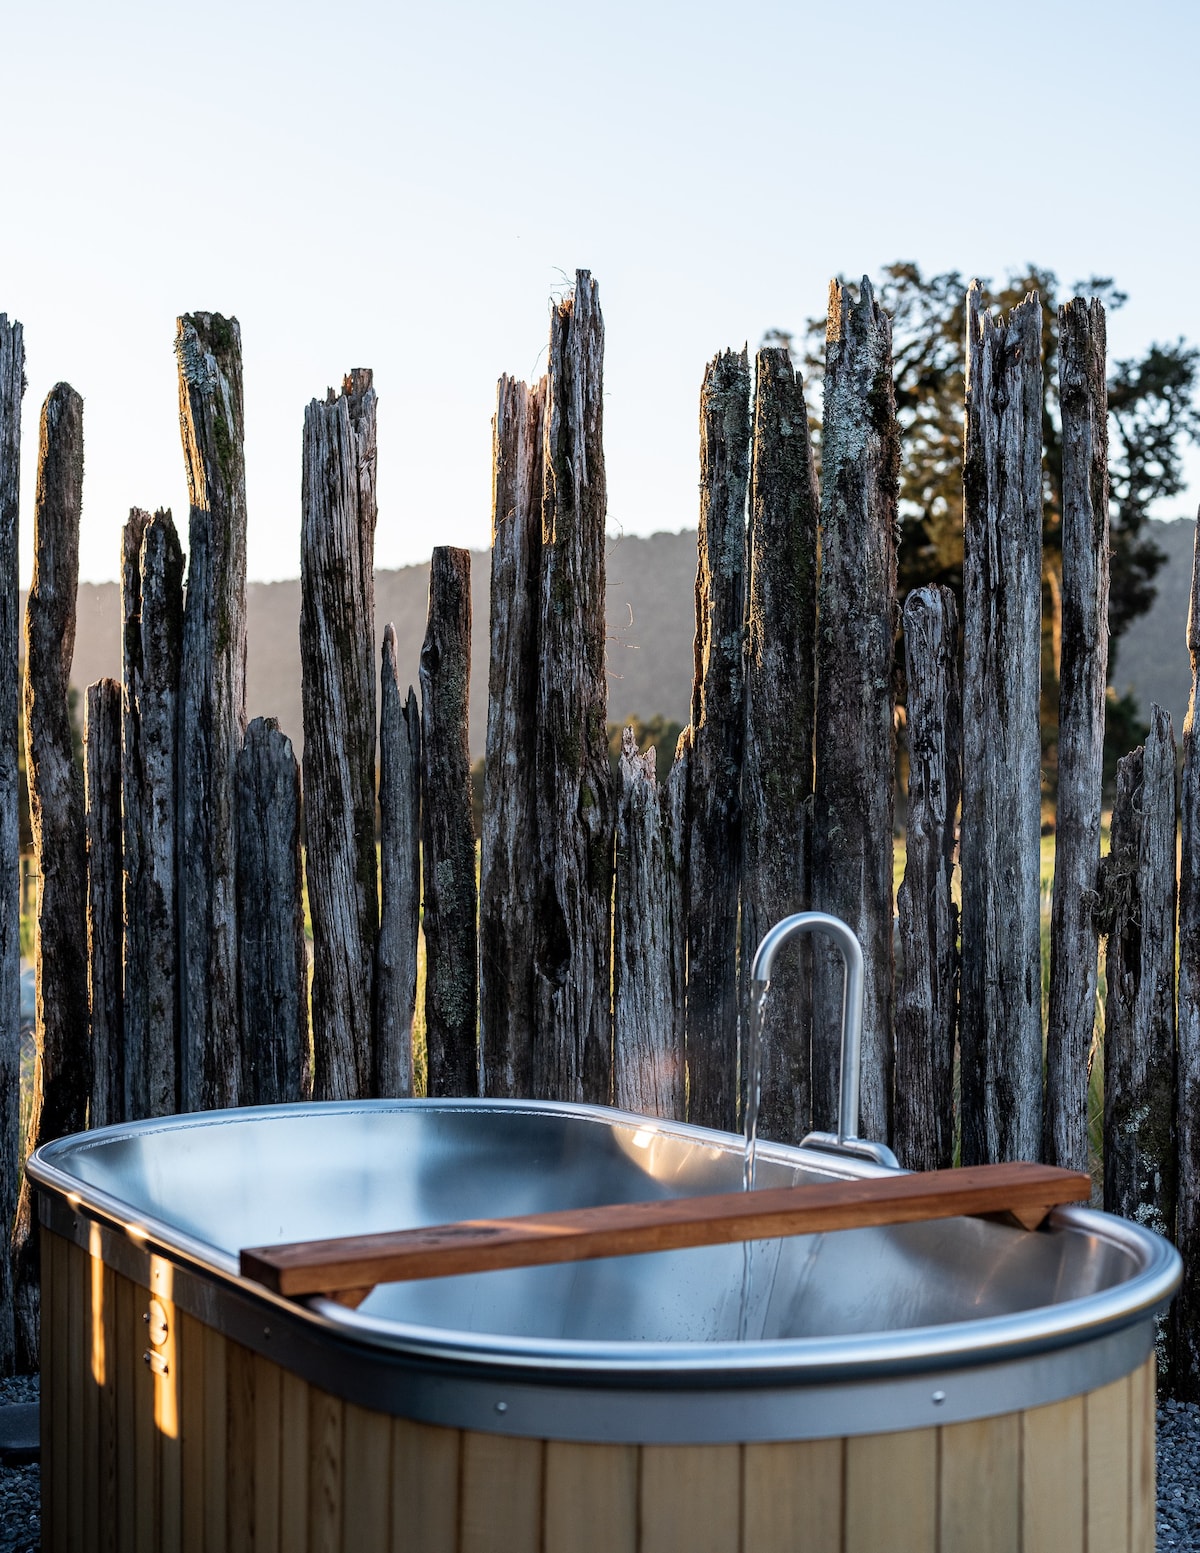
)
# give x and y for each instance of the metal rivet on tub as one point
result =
(938, 1398)
(266, 1331)
(502, 1407)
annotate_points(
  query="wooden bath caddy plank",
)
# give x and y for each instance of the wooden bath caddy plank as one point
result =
(352, 1265)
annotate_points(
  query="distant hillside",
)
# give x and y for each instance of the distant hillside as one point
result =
(650, 630)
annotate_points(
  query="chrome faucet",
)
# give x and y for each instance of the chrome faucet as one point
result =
(845, 1139)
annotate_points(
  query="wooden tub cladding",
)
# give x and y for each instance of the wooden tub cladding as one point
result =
(217, 1449)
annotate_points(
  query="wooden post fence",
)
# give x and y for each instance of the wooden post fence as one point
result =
(105, 938)
(400, 878)
(1186, 1314)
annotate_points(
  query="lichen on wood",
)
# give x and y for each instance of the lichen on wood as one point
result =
(854, 777)
(212, 709)
(1000, 1020)
(337, 662)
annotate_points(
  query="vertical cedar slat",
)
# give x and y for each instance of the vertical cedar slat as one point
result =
(1083, 674)
(152, 598)
(1106, 1435)
(239, 1449)
(648, 938)
(789, 1485)
(62, 1077)
(447, 834)
(575, 801)
(1137, 909)
(272, 962)
(125, 1355)
(77, 1380)
(1185, 1314)
(108, 1448)
(192, 1403)
(689, 1498)
(854, 797)
(891, 1493)
(927, 977)
(12, 387)
(425, 1481)
(212, 705)
(507, 851)
(268, 1433)
(293, 1463)
(502, 1470)
(1052, 1477)
(337, 659)
(591, 1498)
(1000, 1018)
(102, 826)
(366, 1486)
(777, 765)
(981, 1510)
(716, 737)
(395, 988)
(216, 1437)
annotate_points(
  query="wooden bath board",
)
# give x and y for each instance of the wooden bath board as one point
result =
(349, 1267)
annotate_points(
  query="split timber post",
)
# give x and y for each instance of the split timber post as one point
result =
(395, 989)
(272, 962)
(855, 727)
(507, 854)
(212, 705)
(927, 918)
(447, 835)
(572, 1058)
(337, 663)
(63, 1074)
(1083, 675)
(1186, 1311)
(102, 824)
(1138, 896)
(777, 763)
(152, 598)
(648, 937)
(1000, 1015)
(12, 387)
(714, 743)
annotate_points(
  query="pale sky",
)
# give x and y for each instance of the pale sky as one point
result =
(405, 187)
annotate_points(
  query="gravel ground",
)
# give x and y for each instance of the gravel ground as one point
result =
(1178, 1480)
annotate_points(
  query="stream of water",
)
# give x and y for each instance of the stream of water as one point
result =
(753, 1067)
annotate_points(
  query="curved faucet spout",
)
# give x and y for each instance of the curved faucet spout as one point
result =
(852, 1000)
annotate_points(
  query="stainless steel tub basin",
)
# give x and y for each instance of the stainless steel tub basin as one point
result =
(852, 1332)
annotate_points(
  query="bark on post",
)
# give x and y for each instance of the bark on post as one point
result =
(507, 860)
(400, 879)
(855, 737)
(12, 387)
(777, 765)
(212, 705)
(1186, 1310)
(927, 982)
(448, 838)
(337, 662)
(649, 937)
(1137, 887)
(152, 589)
(272, 962)
(717, 735)
(1083, 674)
(102, 823)
(573, 1024)
(1000, 1018)
(62, 1076)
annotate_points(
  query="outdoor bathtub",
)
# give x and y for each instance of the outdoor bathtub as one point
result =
(952, 1384)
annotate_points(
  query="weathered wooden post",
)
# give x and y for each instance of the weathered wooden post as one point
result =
(447, 835)
(715, 740)
(337, 661)
(152, 599)
(212, 711)
(927, 983)
(102, 825)
(272, 962)
(777, 764)
(1000, 1016)
(1185, 1313)
(573, 879)
(1137, 910)
(63, 1074)
(507, 866)
(12, 387)
(1083, 673)
(399, 878)
(854, 797)
(649, 937)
